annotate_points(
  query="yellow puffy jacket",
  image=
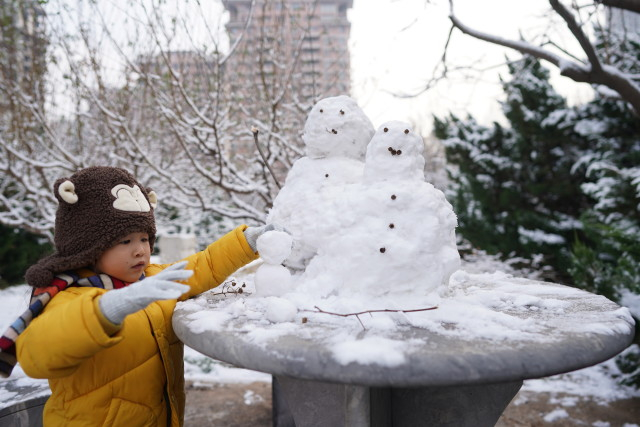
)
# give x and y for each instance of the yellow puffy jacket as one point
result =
(134, 377)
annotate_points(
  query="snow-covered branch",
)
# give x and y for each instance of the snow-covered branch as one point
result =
(594, 71)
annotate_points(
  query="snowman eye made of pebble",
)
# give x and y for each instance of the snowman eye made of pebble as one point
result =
(321, 110)
(334, 131)
(406, 131)
(342, 112)
(386, 129)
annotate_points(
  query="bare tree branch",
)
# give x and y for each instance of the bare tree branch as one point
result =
(580, 36)
(595, 72)
(183, 135)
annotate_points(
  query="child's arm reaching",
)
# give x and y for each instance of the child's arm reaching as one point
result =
(220, 259)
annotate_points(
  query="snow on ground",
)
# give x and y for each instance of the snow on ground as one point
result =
(597, 382)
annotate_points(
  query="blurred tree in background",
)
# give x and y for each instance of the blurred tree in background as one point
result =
(19, 249)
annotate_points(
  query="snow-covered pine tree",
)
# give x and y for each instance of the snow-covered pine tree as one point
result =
(514, 188)
(563, 182)
(607, 260)
(19, 249)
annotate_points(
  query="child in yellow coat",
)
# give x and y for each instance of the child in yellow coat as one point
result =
(99, 324)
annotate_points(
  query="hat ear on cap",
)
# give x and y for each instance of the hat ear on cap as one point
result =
(153, 198)
(67, 192)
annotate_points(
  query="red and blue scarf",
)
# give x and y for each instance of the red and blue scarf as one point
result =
(39, 299)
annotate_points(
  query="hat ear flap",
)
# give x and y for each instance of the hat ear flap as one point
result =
(67, 192)
(153, 199)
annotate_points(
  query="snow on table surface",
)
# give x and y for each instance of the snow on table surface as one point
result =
(482, 319)
(494, 306)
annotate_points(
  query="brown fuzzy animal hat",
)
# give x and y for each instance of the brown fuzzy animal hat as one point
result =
(97, 206)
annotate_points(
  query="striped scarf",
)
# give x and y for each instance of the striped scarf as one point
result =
(39, 298)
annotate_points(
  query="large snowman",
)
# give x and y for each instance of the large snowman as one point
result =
(396, 237)
(336, 135)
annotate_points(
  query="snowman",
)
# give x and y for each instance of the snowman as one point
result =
(272, 278)
(336, 135)
(396, 239)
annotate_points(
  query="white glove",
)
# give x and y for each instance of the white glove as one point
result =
(119, 303)
(252, 233)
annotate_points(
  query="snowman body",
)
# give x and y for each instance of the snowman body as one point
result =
(336, 135)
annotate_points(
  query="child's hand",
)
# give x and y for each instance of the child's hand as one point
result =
(252, 233)
(119, 303)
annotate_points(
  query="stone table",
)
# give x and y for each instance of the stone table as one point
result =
(451, 373)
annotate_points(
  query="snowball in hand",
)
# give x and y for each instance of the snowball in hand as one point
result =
(274, 246)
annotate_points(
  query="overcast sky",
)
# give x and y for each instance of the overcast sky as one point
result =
(396, 44)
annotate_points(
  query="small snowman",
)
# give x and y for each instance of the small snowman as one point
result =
(272, 278)
(336, 135)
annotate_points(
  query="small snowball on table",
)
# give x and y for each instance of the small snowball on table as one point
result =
(280, 310)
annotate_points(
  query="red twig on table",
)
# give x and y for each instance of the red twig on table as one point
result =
(230, 288)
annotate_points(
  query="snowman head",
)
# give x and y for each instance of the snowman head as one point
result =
(395, 152)
(337, 127)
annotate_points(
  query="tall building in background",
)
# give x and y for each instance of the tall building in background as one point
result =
(301, 43)
(195, 70)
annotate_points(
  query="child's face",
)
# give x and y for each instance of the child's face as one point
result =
(127, 259)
